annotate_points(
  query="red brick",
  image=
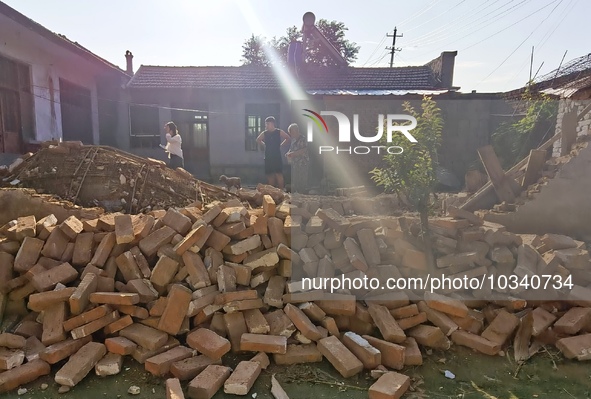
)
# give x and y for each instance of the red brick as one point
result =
(464, 338)
(104, 250)
(62, 350)
(386, 324)
(429, 336)
(81, 297)
(263, 343)
(177, 221)
(164, 272)
(405, 311)
(55, 245)
(280, 323)
(145, 336)
(412, 353)
(189, 368)
(43, 300)
(578, 347)
(256, 322)
(340, 357)
(542, 320)
(276, 232)
(28, 254)
(83, 249)
(174, 389)
(502, 327)
(338, 304)
(159, 365)
(12, 341)
(243, 378)
(80, 364)
(124, 233)
(11, 358)
(363, 350)
(150, 245)
(217, 240)
(392, 355)
(53, 324)
(47, 280)
(302, 322)
(297, 354)
(453, 307)
(110, 364)
(118, 325)
(71, 227)
(198, 276)
(208, 343)
(87, 317)
(143, 288)
(208, 382)
(438, 319)
(175, 312)
(128, 266)
(200, 233)
(573, 321)
(262, 359)
(236, 326)
(391, 385)
(412, 321)
(94, 326)
(114, 298)
(120, 345)
(22, 375)
(33, 348)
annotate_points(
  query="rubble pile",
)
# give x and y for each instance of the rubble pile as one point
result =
(179, 289)
(103, 176)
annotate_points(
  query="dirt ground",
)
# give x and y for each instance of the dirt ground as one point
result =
(547, 375)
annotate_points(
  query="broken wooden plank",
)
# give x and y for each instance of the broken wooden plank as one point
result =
(535, 163)
(500, 181)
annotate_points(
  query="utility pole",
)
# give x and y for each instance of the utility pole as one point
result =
(393, 49)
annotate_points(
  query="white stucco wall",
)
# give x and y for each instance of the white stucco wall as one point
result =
(49, 62)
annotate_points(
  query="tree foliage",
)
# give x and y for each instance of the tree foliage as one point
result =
(412, 174)
(513, 140)
(253, 48)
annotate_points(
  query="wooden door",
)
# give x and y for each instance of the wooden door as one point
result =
(10, 122)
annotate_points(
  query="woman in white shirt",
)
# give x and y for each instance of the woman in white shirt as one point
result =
(173, 146)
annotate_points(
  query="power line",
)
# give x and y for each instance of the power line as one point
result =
(375, 49)
(434, 36)
(515, 23)
(393, 49)
(520, 44)
(418, 14)
(548, 34)
(435, 17)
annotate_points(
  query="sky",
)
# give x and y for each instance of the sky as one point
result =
(494, 38)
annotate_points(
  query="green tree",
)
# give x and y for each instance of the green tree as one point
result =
(513, 140)
(253, 54)
(253, 51)
(412, 174)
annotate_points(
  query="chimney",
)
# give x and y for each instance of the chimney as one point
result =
(129, 59)
(443, 68)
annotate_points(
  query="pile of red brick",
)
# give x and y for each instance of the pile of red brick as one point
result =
(179, 289)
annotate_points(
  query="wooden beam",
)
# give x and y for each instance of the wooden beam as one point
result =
(498, 178)
(535, 163)
(485, 197)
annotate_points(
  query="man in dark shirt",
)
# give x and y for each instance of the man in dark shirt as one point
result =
(272, 139)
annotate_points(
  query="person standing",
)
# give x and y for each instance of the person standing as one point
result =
(299, 159)
(272, 139)
(174, 144)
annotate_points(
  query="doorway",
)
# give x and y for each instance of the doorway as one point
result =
(76, 112)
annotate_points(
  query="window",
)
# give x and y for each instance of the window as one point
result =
(145, 126)
(255, 122)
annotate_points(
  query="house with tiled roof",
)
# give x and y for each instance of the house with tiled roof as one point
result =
(52, 88)
(220, 110)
